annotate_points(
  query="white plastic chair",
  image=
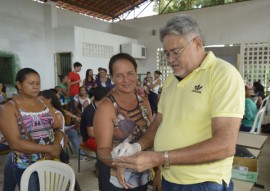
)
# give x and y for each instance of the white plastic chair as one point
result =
(256, 127)
(52, 175)
(265, 102)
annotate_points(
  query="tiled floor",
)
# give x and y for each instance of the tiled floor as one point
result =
(88, 180)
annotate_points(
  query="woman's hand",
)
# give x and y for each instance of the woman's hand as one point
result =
(48, 157)
(47, 103)
(120, 174)
(157, 181)
(55, 150)
(78, 119)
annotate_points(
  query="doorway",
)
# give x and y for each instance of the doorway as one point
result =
(63, 64)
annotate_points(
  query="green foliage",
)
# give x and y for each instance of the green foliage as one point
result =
(9, 65)
(170, 6)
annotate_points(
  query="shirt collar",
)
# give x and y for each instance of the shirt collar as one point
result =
(207, 62)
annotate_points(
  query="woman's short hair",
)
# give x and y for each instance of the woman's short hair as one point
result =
(22, 73)
(121, 56)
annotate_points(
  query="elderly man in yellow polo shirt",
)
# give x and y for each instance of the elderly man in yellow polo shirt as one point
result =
(199, 114)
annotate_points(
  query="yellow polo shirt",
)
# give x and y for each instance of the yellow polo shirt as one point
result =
(215, 89)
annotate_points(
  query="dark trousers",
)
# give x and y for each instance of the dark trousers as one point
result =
(245, 128)
(153, 100)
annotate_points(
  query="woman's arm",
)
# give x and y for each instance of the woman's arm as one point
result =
(58, 135)
(60, 118)
(90, 131)
(8, 115)
(65, 92)
(72, 115)
(76, 105)
(104, 129)
(259, 101)
(155, 84)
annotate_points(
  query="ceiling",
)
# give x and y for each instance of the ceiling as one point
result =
(108, 10)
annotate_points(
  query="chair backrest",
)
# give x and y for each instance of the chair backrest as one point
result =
(52, 175)
(265, 102)
(256, 127)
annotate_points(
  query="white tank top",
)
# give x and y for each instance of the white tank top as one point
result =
(63, 126)
(156, 88)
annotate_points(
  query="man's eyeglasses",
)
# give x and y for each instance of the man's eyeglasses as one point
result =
(176, 51)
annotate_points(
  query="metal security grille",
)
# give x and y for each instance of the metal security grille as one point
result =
(162, 65)
(65, 63)
(256, 63)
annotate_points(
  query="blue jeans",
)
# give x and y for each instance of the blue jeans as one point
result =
(75, 140)
(12, 177)
(204, 186)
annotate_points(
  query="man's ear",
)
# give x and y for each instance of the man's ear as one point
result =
(198, 42)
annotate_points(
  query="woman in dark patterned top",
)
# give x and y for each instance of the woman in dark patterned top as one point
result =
(122, 116)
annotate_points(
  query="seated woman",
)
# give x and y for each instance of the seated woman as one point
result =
(86, 125)
(81, 100)
(250, 113)
(89, 82)
(60, 112)
(259, 93)
(103, 80)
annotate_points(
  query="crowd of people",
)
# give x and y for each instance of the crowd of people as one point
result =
(182, 139)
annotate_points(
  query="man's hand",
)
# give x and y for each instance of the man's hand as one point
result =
(141, 161)
(126, 149)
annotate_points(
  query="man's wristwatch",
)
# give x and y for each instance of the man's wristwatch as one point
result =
(166, 160)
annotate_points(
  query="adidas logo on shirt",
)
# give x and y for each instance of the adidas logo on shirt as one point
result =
(197, 89)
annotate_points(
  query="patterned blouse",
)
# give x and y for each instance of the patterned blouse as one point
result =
(129, 126)
(39, 126)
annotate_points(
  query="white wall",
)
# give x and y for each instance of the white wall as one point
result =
(64, 39)
(99, 38)
(70, 39)
(35, 32)
(22, 26)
